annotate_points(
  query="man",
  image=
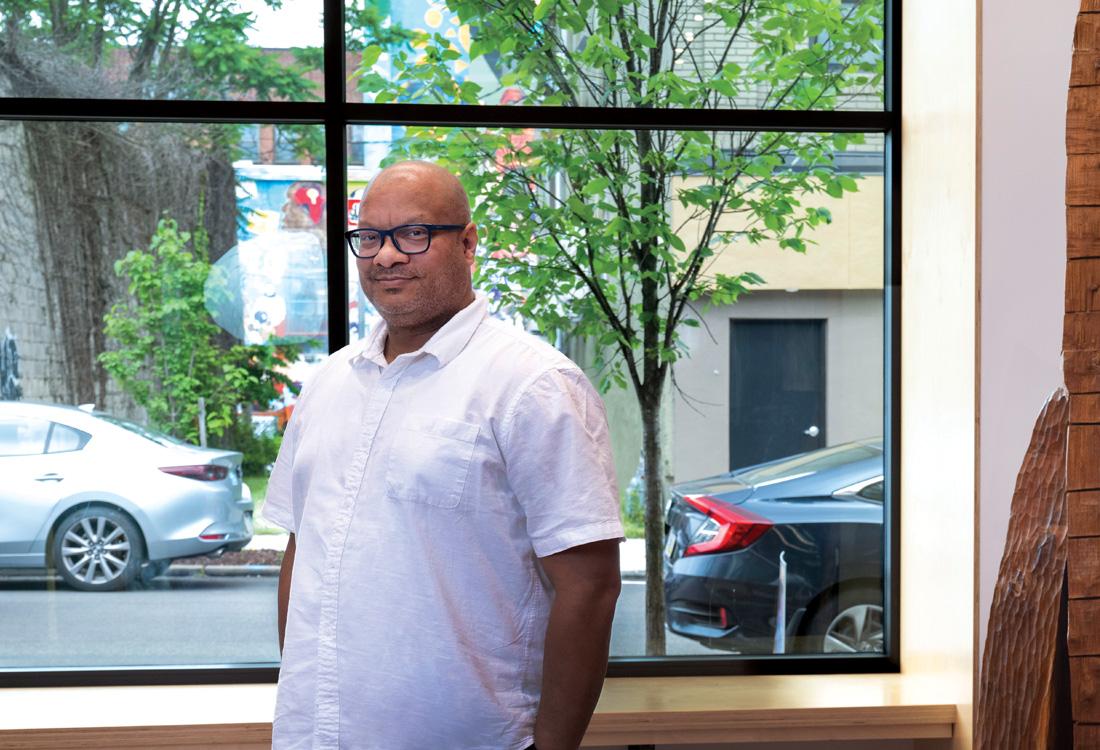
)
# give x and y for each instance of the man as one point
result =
(453, 565)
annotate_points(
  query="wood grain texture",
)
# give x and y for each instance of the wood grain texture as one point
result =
(1084, 567)
(1081, 371)
(1017, 689)
(1086, 735)
(1083, 180)
(1085, 70)
(195, 737)
(1083, 510)
(1081, 331)
(1083, 463)
(637, 710)
(1082, 232)
(1085, 673)
(1084, 408)
(1086, 36)
(1084, 635)
(1082, 128)
(1083, 284)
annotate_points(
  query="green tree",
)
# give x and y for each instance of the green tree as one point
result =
(578, 222)
(160, 49)
(167, 354)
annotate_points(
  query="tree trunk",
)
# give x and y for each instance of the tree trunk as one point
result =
(650, 402)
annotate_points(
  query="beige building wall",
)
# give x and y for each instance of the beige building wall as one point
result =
(853, 366)
(847, 253)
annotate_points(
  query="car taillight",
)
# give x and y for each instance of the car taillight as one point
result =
(204, 472)
(725, 528)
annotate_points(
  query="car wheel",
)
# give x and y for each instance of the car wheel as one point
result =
(852, 625)
(98, 549)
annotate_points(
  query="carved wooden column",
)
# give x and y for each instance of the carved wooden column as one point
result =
(1081, 362)
(1021, 687)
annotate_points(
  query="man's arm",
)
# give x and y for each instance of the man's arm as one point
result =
(586, 582)
(284, 588)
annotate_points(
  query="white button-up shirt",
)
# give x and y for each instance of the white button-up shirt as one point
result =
(420, 493)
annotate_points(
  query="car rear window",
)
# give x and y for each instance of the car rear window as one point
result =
(64, 439)
(23, 436)
(810, 463)
(159, 438)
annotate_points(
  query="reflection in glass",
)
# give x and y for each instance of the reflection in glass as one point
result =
(155, 326)
(213, 49)
(695, 55)
(773, 407)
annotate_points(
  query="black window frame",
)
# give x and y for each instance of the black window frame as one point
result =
(336, 115)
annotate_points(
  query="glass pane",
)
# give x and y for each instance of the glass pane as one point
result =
(180, 301)
(771, 247)
(23, 437)
(64, 439)
(164, 49)
(726, 54)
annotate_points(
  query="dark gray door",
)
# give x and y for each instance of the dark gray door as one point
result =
(777, 389)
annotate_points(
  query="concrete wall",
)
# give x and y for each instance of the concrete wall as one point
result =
(853, 365)
(24, 298)
(1023, 247)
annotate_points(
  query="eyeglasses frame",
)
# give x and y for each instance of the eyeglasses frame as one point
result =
(393, 237)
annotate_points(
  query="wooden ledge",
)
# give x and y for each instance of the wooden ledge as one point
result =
(666, 710)
(683, 710)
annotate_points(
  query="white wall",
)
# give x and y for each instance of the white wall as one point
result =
(1026, 50)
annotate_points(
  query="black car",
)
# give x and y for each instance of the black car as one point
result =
(820, 513)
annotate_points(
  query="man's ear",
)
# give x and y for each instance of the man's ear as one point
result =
(469, 242)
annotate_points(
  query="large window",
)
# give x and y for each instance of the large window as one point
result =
(694, 201)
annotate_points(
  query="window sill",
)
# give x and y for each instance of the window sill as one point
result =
(638, 710)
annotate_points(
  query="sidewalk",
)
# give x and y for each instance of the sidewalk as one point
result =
(631, 558)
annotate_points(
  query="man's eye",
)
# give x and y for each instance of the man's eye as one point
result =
(416, 233)
(368, 236)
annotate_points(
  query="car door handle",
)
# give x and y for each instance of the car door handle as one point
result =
(51, 477)
(812, 431)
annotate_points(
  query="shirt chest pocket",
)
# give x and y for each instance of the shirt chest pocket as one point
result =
(430, 460)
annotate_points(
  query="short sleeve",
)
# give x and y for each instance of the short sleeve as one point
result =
(278, 505)
(557, 455)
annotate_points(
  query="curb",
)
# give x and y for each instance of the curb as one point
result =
(222, 570)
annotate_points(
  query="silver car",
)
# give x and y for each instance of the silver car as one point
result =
(103, 500)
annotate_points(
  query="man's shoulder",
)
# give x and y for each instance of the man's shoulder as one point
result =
(517, 354)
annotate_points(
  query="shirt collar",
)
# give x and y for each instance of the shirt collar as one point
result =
(445, 344)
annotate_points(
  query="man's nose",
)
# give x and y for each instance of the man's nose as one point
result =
(388, 255)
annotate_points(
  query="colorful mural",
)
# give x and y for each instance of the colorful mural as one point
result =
(273, 283)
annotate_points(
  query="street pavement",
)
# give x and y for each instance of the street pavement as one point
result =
(631, 552)
(191, 620)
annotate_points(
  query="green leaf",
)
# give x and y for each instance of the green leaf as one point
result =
(542, 10)
(371, 55)
(595, 186)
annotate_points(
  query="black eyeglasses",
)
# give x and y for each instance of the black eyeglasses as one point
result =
(410, 239)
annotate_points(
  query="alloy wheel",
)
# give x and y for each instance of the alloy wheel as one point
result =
(858, 629)
(95, 550)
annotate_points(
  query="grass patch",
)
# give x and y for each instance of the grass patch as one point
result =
(633, 529)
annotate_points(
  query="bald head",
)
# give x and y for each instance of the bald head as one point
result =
(439, 193)
(418, 292)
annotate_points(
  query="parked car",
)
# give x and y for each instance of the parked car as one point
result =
(725, 535)
(103, 500)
